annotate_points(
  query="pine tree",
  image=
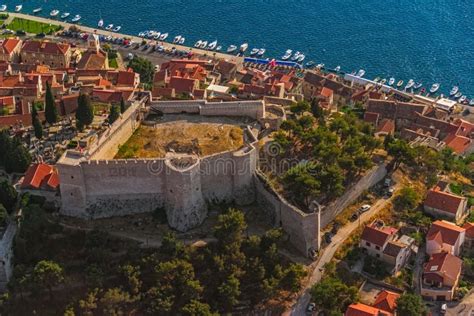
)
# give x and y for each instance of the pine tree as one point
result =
(51, 113)
(123, 106)
(114, 114)
(36, 122)
(85, 112)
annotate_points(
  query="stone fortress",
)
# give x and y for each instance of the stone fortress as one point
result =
(94, 185)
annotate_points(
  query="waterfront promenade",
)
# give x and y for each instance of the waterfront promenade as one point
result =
(136, 39)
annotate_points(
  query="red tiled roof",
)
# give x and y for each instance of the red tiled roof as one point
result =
(326, 92)
(126, 78)
(360, 309)
(386, 301)
(9, 45)
(445, 231)
(45, 47)
(458, 144)
(377, 236)
(444, 201)
(444, 264)
(469, 227)
(40, 176)
(386, 126)
(182, 84)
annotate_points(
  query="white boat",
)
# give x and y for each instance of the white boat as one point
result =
(337, 69)
(65, 15)
(181, 41)
(219, 48)
(212, 45)
(37, 10)
(417, 85)
(301, 58)
(410, 84)
(3, 8)
(458, 95)
(117, 28)
(100, 24)
(203, 45)
(18, 8)
(54, 13)
(244, 47)
(400, 83)
(434, 88)
(163, 36)
(462, 99)
(360, 73)
(320, 66)
(254, 51)
(295, 56)
(261, 52)
(109, 27)
(471, 103)
(198, 44)
(156, 36)
(231, 48)
(177, 39)
(391, 81)
(287, 55)
(383, 81)
(76, 18)
(454, 90)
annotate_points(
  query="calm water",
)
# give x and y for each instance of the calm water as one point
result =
(427, 40)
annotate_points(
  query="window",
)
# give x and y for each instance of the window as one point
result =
(377, 255)
(377, 247)
(367, 244)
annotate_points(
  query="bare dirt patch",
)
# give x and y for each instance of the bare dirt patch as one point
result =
(201, 139)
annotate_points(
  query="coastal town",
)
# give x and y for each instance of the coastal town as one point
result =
(147, 178)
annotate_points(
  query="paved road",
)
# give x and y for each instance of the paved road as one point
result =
(300, 306)
(464, 308)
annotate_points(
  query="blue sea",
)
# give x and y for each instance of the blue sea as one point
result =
(427, 40)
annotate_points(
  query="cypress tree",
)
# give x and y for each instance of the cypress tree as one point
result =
(114, 114)
(85, 112)
(36, 122)
(51, 113)
(123, 106)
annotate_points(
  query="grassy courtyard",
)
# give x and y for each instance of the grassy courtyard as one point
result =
(34, 27)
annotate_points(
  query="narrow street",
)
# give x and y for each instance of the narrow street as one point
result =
(328, 253)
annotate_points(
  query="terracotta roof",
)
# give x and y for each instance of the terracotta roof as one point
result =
(182, 84)
(386, 301)
(93, 60)
(326, 92)
(444, 201)
(126, 78)
(225, 67)
(360, 309)
(444, 231)
(386, 126)
(458, 144)
(9, 45)
(469, 227)
(45, 47)
(377, 236)
(40, 176)
(444, 264)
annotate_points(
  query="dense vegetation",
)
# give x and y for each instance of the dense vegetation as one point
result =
(144, 67)
(59, 270)
(14, 157)
(329, 155)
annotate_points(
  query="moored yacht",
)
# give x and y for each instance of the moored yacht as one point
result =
(198, 44)
(203, 45)
(471, 103)
(244, 47)
(391, 81)
(462, 99)
(434, 87)
(219, 48)
(212, 45)
(231, 48)
(417, 85)
(261, 52)
(181, 40)
(54, 13)
(309, 64)
(287, 54)
(100, 24)
(301, 57)
(337, 69)
(400, 83)
(296, 55)
(37, 10)
(454, 90)
(3, 8)
(117, 28)
(109, 27)
(18, 8)
(163, 36)
(383, 81)
(176, 39)
(76, 18)
(458, 95)
(320, 66)
(360, 73)
(410, 84)
(254, 51)
(65, 15)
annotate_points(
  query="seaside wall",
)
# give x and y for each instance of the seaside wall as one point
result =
(373, 176)
(252, 109)
(6, 254)
(302, 228)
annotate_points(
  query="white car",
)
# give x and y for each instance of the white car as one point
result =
(364, 208)
(443, 309)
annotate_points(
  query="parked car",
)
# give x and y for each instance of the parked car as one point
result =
(387, 183)
(390, 191)
(40, 35)
(310, 308)
(328, 237)
(364, 208)
(355, 216)
(335, 228)
(20, 32)
(443, 309)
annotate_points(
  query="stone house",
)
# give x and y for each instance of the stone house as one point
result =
(469, 238)
(54, 55)
(314, 82)
(441, 276)
(10, 50)
(441, 204)
(445, 236)
(360, 309)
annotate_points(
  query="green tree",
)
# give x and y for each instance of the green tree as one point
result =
(131, 275)
(197, 308)
(172, 247)
(17, 159)
(114, 114)
(48, 274)
(123, 106)
(89, 304)
(331, 295)
(292, 277)
(50, 111)
(228, 293)
(401, 152)
(5, 143)
(300, 107)
(317, 111)
(115, 302)
(85, 112)
(144, 67)
(8, 196)
(37, 126)
(229, 229)
(409, 304)
(407, 199)
(299, 180)
(3, 215)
